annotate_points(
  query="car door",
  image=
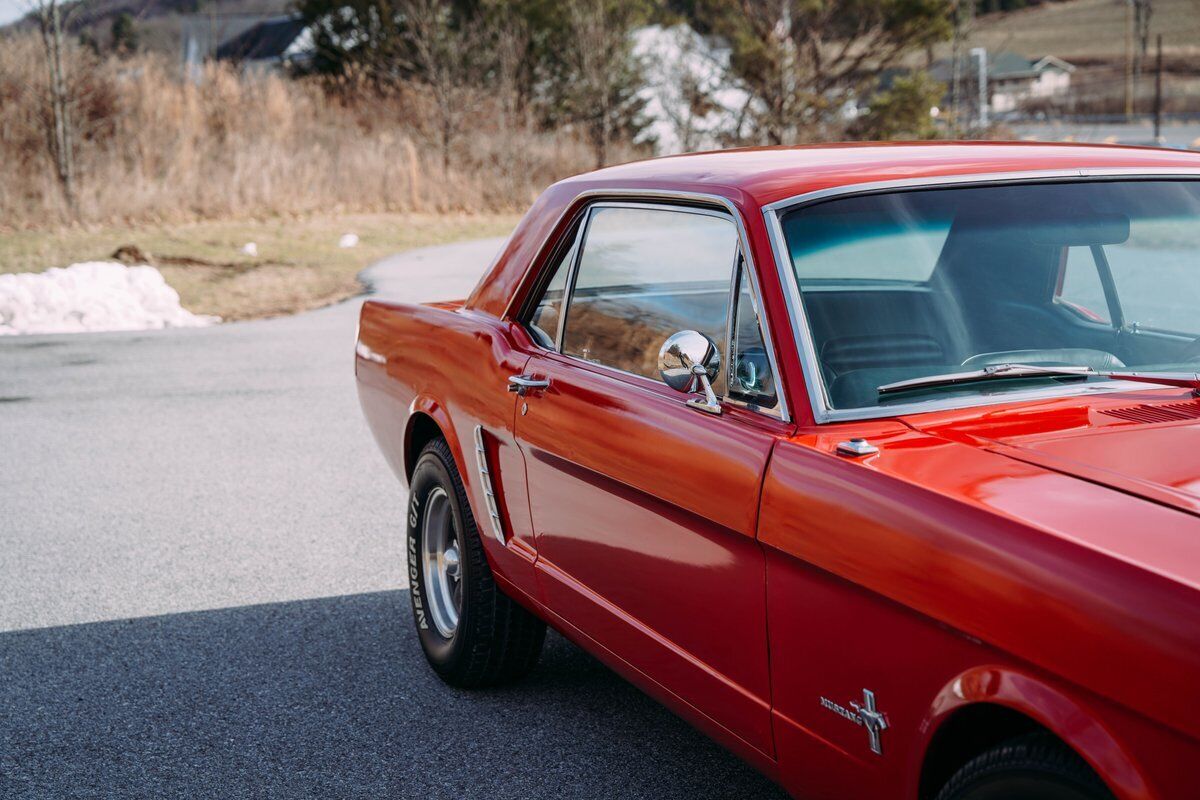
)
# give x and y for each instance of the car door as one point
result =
(644, 509)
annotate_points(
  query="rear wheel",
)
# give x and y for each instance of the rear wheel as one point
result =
(472, 634)
(1036, 766)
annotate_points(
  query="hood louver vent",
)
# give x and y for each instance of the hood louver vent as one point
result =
(1171, 412)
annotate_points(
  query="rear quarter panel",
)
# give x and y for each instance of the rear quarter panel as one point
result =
(453, 365)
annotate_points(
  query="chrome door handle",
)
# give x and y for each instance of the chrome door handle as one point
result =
(523, 383)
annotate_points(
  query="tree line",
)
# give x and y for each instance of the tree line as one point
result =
(799, 63)
(456, 72)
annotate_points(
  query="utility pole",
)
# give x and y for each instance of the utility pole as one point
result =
(1129, 59)
(964, 17)
(955, 57)
(981, 54)
(1158, 93)
(1144, 10)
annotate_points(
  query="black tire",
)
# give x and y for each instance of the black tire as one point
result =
(1036, 766)
(495, 640)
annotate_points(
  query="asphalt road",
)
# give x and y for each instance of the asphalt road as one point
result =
(200, 589)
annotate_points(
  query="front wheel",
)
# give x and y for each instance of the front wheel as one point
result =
(472, 634)
(1032, 767)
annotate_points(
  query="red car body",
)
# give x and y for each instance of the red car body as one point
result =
(991, 569)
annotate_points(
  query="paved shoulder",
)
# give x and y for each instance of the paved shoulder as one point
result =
(448, 272)
(171, 471)
(200, 557)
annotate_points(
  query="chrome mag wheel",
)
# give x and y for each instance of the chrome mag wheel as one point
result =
(472, 634)
(441, 563)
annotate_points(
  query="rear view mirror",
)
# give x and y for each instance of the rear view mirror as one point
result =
(1081, 230)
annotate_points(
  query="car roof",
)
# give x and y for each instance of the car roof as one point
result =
(766, 175)
(754, 177)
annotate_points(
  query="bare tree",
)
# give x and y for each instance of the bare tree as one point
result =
(603, 73)
(449, 55)
(61, 133)
(512, 66)
(804, 60)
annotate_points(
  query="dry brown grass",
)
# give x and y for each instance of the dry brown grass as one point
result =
(154, 147)
(190, 171)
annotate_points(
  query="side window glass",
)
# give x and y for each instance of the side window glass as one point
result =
(543, 322)
(644, 274)
(750, 376)
(1080, 289)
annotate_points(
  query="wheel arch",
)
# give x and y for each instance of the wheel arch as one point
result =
(982, 707)
(428, 420)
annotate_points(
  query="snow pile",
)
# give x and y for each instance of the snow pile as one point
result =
(93, 296)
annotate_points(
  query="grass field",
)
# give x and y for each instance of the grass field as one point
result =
(298, 265)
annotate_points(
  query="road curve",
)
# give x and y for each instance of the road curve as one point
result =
(200, 574)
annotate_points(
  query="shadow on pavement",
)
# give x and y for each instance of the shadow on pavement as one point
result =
(327, 698)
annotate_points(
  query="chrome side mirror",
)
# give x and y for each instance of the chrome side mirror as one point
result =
(688, 362)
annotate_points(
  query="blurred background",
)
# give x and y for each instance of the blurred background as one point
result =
(194, 135)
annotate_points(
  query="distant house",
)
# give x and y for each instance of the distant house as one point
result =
(274, 42)
(1012, 78)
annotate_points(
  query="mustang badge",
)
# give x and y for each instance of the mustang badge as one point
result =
(864, 714)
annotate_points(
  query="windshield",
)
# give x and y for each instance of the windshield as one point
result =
(902, 285)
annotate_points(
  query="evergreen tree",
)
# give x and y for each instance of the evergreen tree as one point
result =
(124, 34)
(902, 111)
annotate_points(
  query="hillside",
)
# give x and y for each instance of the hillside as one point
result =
(1089, 31)
(158, 22)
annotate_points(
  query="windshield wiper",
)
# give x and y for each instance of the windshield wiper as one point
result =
(1188, 380)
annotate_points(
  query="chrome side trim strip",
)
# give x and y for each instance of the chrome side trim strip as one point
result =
(822, 409)
(489, 491)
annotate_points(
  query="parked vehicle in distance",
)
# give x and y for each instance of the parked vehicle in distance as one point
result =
(879, 464)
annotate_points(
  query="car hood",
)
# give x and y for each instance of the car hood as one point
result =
(1149, 448)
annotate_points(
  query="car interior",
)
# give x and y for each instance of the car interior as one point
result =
(625, 326)
(993, 297)
(947, 281)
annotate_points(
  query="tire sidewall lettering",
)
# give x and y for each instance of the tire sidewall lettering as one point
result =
(416, 499)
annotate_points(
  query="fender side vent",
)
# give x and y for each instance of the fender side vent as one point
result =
(489, 491)
(1170, 412)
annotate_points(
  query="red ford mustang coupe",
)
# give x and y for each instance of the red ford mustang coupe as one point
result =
(879, 464)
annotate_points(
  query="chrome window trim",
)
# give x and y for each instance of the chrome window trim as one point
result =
(541, 282)
(735, 299)
(693, 202)
(731, 320)
(822, 409)
(576, 254)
